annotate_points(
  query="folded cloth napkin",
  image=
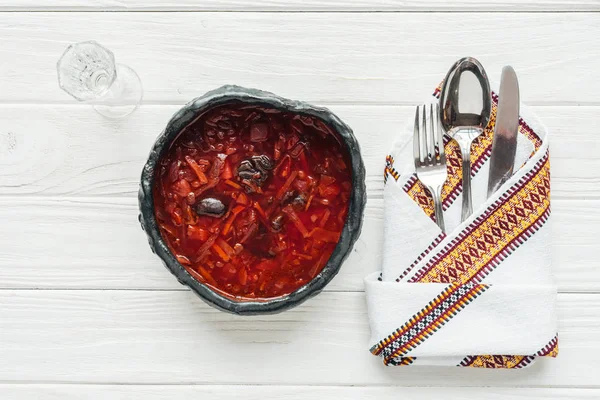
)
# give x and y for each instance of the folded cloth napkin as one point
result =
(482, 294)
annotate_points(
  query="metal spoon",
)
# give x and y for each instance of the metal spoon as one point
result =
(465, 106)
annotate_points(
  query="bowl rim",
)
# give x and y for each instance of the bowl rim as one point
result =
(189, 113)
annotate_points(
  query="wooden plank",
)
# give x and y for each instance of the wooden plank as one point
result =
(96, 243)
(73, 151)
(219, 392)
(299, 5)
(82, 173)
(320, 57)
(144, 337)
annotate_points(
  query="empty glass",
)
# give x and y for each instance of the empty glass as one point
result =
(88, 72)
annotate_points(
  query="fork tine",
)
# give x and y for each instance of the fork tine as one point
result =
(423, 135)
(416, 146)
(439, 135)
(431, 137)
(427, 141)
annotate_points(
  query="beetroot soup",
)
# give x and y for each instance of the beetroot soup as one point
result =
(252, 200)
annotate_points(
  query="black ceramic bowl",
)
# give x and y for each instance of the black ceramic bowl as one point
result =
(350, 232)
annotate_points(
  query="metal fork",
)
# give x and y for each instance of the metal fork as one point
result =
(430, 158)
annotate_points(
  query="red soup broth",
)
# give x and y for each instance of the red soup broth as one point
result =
(252, 200)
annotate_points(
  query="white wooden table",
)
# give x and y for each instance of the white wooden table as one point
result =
(87, 312)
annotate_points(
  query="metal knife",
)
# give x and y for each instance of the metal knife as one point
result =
(504, 145)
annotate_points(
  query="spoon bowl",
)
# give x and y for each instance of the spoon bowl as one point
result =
(465, 107)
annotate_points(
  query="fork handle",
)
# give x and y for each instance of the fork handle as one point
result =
(436, 193)
(467, 201)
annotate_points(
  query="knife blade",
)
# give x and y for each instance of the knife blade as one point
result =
(504, 144)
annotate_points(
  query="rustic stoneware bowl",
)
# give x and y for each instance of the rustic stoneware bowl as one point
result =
(350, 232)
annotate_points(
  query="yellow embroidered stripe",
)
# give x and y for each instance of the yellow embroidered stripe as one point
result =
(427, 321)
(479, 249)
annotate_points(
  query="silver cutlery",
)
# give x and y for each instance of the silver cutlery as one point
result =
(465, 104)
(504, 145)
(430, 158)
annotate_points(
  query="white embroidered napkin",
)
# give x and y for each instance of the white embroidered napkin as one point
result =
(481, 295)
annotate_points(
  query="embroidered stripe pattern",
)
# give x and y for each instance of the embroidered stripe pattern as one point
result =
(481, 149)
(401, 361)
(426, 322)
(526, 130)
(433, 244)
(495, 361)
(551, 349)
(470, 257)
(398, 332)
(389, 169)
(494, 235)
(531, 193)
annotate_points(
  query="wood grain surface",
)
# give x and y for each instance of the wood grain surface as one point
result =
(351, 58)
(301, 5)
(86, 311)
(165, 337)
(260, 392)
(73, 151)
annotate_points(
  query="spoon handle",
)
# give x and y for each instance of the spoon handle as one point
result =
(467, 201)
(439, 211)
